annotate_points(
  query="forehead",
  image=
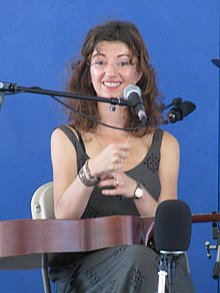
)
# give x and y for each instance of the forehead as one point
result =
(115, 48)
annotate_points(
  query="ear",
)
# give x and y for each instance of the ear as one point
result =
(139, 75)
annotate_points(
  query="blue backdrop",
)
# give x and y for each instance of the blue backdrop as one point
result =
(36, 41)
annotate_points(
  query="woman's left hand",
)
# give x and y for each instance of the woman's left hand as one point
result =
(117, 183)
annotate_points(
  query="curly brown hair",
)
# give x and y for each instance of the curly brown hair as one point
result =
(80, 79)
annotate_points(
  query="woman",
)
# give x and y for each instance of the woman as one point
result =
(118, 169)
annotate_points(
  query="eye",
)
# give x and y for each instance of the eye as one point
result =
(98, 62)
(123, 63)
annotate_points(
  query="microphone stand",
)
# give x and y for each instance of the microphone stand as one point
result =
(216, 269)
(162, 274)
(12, 88)
(175, 102)
(2, 97)
(9, 88)
(215, 235)
(167, 268)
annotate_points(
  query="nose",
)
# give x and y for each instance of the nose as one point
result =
(110, 68)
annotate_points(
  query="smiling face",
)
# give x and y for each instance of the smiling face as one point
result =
(112, 69)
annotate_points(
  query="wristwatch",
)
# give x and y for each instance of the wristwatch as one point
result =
(138, 193)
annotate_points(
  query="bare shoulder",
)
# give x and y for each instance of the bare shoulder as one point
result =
(59, 135)
(60, 143)
(58, 138)
(169, 142)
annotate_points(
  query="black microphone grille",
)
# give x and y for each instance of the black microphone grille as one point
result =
(172, 227)
(188, 107)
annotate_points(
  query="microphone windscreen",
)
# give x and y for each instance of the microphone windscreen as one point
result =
(187, 108)
(172, 226)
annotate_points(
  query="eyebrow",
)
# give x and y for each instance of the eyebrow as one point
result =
(101, 54)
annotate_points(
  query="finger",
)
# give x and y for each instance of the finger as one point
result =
(113, 182)
(105, 177)
(125, 145)
(124, 154)
(110, 191)
(125, 148)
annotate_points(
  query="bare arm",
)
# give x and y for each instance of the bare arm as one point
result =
(70, 195)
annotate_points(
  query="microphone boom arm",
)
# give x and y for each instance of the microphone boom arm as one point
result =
(9, 88)
(12, 88)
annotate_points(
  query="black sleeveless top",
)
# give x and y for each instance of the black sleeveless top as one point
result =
(146, 173)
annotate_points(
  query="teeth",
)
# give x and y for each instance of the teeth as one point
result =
(112, 84)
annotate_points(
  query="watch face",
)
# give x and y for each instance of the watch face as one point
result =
(139, 192)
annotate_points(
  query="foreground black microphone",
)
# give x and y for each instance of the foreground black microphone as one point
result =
(180, 111)
(132, 94)
(172, 235)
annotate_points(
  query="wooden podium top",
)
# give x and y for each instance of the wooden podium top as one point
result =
(22, 242)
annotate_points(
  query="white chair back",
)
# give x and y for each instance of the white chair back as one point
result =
(42, 207)
(42, 203)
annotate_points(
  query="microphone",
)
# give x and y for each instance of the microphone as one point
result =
(132, 94)
(216, 62)
(172, 227)
(175, 102)
(180, 111)
(172, 235)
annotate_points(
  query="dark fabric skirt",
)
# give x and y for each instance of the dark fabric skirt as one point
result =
(122, 269)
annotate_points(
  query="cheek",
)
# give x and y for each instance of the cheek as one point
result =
(136, 76)
(94, 75)
(131, 76)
